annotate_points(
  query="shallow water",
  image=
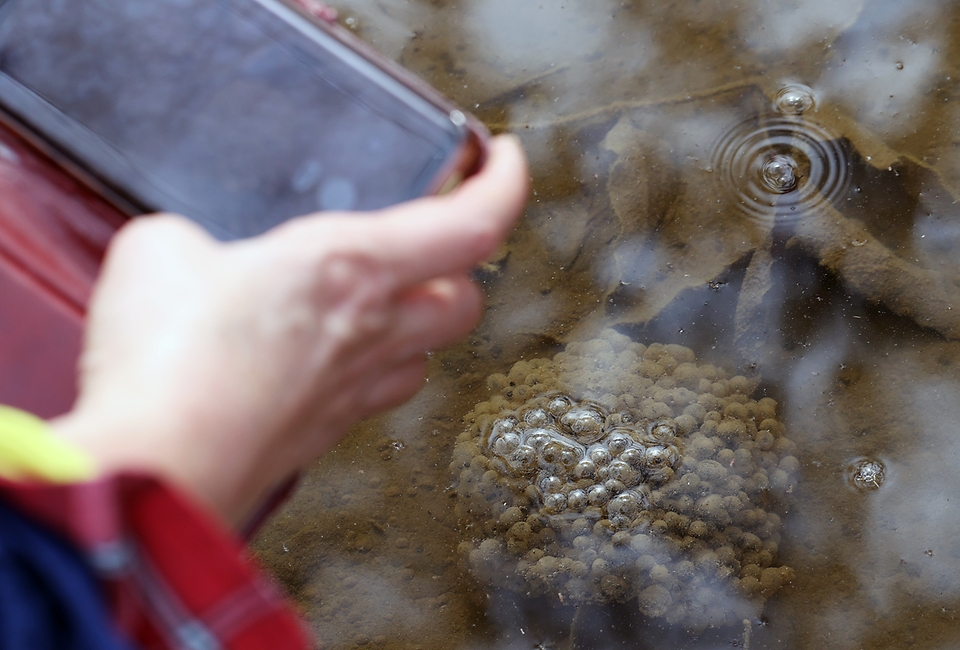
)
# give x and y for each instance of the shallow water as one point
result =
(804, 237)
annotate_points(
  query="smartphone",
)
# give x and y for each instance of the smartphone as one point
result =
(238, 114)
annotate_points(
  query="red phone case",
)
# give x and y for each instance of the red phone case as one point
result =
(53, 233)
(56, 221)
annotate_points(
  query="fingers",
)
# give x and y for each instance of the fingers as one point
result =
(432, 316)
(434, 236)
(391, 369)
(395, 386)
(440, 236)
(158, 232)
(435, 315)
(165, 245)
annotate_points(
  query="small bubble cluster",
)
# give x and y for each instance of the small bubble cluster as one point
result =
(866, 474)
(794, 100)
(779, 173)
(619, 472)
(582, 456)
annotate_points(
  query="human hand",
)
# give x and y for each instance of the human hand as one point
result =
(226, 366)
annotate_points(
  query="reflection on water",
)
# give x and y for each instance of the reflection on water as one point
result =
(794, 100)
(781, 168)
(772, 186)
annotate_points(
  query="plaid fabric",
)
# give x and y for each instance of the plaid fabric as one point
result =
(49, 597)
(175, 579)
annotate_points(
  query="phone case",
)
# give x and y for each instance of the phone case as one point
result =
(237, 113)
(54, 230)
(57, 217)
(473, 154)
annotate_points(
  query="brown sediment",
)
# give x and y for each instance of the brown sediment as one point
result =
(869, 268)
(644, 209)
(754, 319)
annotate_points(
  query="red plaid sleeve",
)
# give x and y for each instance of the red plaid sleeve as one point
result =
(175, 579)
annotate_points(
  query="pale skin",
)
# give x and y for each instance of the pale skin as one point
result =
(224, 368)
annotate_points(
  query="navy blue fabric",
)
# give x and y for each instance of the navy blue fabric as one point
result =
(49, 598)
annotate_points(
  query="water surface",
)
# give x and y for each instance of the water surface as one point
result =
(772, 185)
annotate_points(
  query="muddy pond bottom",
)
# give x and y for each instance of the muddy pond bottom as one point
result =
(715, 399)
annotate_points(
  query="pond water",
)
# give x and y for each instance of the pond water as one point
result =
(767, 187)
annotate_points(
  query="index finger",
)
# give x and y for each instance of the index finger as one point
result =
(441, 235)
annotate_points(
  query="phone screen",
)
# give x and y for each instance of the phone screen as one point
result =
(237, 113)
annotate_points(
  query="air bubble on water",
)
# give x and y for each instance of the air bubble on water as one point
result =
(781, 166)
(866, 474)
(899, 65)
(794, 100)
(779, 173)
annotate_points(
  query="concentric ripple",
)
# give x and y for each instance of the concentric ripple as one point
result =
(781, 168)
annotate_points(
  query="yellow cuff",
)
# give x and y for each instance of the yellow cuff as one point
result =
(29, 451)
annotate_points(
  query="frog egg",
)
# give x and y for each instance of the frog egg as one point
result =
(585, 469)
(663, 432)
(618, 442)
(659, 462)
(504, 425)
(621, 419)
(619, 522)
(525, 457)
(623, 504)
(600, 455)
(583, 422)
(660, 456)
(597, 495)
(506, 444)
(614, 486)
(660, 476)
(577, 499)
(559, 405)
(537, 438)
(537, 418)
(711, 470)
(550, 484)
(555, 502)
(623, 472)
(550, 453)
(570, 456)
(633, 457)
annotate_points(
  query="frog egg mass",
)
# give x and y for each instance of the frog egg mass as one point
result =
(618, 471)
